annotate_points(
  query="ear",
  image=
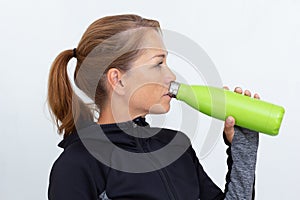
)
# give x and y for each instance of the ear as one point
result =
(114, 79)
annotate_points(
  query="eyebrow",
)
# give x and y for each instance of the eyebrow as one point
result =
(160, 55)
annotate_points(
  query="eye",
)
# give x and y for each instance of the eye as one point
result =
(159, 64)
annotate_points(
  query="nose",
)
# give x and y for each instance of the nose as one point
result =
(170, 76)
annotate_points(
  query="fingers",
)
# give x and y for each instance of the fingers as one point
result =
(238, 90)
(256, 96)
(230, 121)
(226, 87)
(246, 92)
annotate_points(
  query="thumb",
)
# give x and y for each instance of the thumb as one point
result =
(229, 128)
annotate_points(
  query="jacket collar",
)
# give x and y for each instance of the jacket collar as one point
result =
(107, 128)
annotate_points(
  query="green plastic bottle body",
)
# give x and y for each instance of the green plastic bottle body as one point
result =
(248, 112)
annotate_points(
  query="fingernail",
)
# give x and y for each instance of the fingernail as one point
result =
(229, 120)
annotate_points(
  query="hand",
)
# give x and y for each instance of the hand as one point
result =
(230, 121)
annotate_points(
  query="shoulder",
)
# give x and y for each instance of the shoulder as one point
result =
(74, 154)
(76, 174)
(76, 159)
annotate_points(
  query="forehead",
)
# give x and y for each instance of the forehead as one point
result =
(152, 42)
(152, 47)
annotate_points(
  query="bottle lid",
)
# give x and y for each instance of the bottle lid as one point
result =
(173, 89)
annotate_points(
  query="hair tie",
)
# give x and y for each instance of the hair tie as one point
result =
(74, 53)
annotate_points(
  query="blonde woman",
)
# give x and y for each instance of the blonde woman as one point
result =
(121, 66)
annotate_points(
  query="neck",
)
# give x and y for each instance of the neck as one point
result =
(115, 114)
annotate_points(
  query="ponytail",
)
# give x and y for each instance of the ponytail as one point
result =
(65, 106)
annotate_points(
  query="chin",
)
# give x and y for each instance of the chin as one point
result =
(159, 109)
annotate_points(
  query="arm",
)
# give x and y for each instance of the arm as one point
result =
(242, 153)
(208, 190)
(241, 169)
(241, 162)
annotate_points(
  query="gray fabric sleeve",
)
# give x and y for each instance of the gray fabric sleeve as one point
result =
(244, 152)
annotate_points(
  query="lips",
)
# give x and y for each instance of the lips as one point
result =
(167, 94)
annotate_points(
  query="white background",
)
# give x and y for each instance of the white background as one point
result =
(254, 44)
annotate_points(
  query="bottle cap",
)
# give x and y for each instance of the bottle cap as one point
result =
(173, 89)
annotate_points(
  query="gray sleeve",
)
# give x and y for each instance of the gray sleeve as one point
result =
(244, 152)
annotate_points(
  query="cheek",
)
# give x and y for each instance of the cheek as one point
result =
(146, 96)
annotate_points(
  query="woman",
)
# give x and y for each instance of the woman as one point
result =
(121, 66)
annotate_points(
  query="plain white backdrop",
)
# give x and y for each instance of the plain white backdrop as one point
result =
(254, 44)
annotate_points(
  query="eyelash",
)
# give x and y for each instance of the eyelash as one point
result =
(159, 64)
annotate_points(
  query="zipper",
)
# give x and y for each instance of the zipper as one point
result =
(162, 173)
(166, 179)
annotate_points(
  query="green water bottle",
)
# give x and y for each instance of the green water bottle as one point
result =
(251, 113)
